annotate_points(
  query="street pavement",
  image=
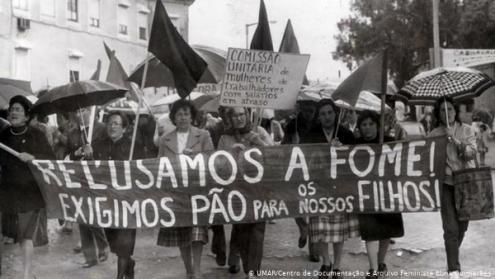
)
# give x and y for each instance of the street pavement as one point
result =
(419, 254)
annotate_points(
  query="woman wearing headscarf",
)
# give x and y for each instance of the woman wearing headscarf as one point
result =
(461, 152)
(246, 239)
(19, 192)
(376, 229)
(185, 139)
(331, 228)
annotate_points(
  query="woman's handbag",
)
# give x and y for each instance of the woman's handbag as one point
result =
(474, 193)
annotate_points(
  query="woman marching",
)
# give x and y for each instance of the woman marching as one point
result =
(115, 145)
(245, 238)
(334, 228)
(376, 229)
(19, 192)
(461, 151)
(185, 139)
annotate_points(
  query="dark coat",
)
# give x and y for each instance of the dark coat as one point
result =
(76, 139)
(105, 149)
(316, 135)
(379, 226)
(19, 191)
(291, 131)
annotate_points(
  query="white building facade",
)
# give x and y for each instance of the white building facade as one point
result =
(51, 42)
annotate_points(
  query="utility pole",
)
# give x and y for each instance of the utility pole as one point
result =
(436, 36)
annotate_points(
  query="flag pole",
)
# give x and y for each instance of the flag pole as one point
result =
(338, 124)
(91, 124)
(384, 94)
(10, 150)
(140, 102)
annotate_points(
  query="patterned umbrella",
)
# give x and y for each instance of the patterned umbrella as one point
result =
(458, 83)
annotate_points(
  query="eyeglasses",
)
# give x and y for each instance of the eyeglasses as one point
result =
(113, 123)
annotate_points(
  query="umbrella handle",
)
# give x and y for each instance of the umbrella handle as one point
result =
(84, 126)
(446, 114)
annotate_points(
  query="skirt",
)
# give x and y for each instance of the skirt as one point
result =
(184, 236)
(380, 226)
(121, 241)
(20, 226)
(333, 228)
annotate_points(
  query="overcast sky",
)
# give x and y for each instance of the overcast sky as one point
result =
(222, 24)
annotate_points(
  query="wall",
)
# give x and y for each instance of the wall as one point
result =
(51, 40)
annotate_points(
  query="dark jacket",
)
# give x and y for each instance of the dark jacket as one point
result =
(291, 131)
(105, 149)
(76, 138)
(19, 191)
(316, 135)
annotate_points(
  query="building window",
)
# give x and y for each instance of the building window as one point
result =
(72, 10)
(48, 8)
(143, 26)
(123, 29)
(22, 67)
(142, 33)
(73, 75)
(94, 13)
(123, 19)
(94, 22)
(20, 4)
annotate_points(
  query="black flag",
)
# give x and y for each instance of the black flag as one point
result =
(168, 46)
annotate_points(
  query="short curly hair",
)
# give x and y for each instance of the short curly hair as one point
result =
(181, 104)
(368, 114)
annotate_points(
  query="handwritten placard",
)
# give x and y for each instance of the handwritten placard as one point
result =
(262, 79)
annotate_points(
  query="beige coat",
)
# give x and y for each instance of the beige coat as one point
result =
(198, 140)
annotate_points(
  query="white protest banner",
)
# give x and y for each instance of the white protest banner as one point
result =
(262, 79)
(467, 57)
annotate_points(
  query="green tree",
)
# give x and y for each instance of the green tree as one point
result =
(404, 27)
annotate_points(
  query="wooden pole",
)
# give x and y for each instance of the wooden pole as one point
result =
(384, 94)
(140, 98)
(91, 124)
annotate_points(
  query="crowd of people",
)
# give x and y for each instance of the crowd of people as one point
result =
(187, 131)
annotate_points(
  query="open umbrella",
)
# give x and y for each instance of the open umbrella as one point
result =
(457, 83)
(72, 96)
(169, 99)
(12, 87)
(159, 75)
(366, 101)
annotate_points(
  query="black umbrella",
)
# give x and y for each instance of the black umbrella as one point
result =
(12, 87)
(76, 95)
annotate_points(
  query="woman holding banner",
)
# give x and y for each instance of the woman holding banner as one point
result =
(461, 153)
(246, 239)
(116, 146)
(334, 228)
(19, 192)
(376, 229)
(185, 139)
